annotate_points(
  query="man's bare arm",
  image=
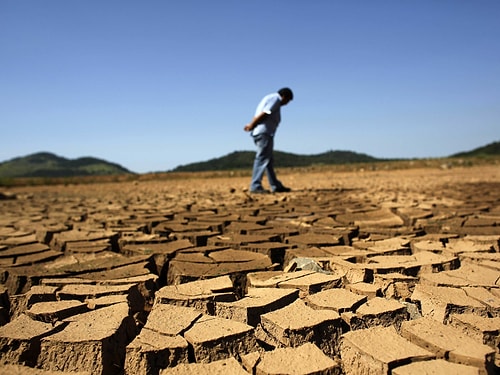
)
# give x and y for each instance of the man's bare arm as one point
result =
(256, 120)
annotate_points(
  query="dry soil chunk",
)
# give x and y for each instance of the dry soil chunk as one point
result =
(448, 342)
(53, 311)
(381, 312)
(87, 291)
(214, 338)
(484, 296)
(353, 272)
(312, 283)
(435, 367)
(272, 279)
(19, 303)
(91, 293)
(171, 320)
(377, 351)
(365, 289)
(60, 240)
(192, 265)
(395, 285)
(20, 339)
(440, 302)
(314, 239)
(256, 302)
(151, 351)
(382, 217)
(305, 359)
(339, 300)
(147, 284)
(200, 294)
(484, 330)
(434, 246)
(297, 324)
(221, 367)
(29, 249)
(94, 342)
(460, 245)
(468, 275)
(431, 262)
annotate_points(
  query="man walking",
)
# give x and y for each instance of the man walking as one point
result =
(263, 127)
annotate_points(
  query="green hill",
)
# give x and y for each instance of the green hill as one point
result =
(244, 160)
(45, 164)
(491, 149)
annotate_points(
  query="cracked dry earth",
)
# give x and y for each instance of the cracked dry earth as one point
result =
(375, 272)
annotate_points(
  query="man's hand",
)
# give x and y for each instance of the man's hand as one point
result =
(255, 121)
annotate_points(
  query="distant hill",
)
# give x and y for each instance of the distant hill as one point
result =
(488, 150)
(244, 160)
(45, 164)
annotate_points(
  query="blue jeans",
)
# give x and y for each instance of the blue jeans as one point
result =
(264, 162)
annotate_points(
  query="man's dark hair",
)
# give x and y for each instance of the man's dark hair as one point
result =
(286, 92)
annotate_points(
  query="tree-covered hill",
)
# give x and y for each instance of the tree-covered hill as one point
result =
(491, 149)
(244, 160)
(45, 164)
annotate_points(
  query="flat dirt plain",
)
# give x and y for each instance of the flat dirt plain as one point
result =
(362, 272)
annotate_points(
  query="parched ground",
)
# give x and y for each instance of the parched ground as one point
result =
(366, 272)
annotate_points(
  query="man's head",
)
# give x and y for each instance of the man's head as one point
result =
(286, 95)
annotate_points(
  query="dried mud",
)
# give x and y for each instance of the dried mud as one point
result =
(366, 272)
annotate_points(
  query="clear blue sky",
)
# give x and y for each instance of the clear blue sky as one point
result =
(156, 84)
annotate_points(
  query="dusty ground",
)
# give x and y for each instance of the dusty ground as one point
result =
(91, 274)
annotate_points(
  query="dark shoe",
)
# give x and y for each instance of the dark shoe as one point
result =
(260, 191)
(282, 189)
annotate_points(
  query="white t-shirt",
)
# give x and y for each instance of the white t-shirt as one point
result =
(270, 105)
